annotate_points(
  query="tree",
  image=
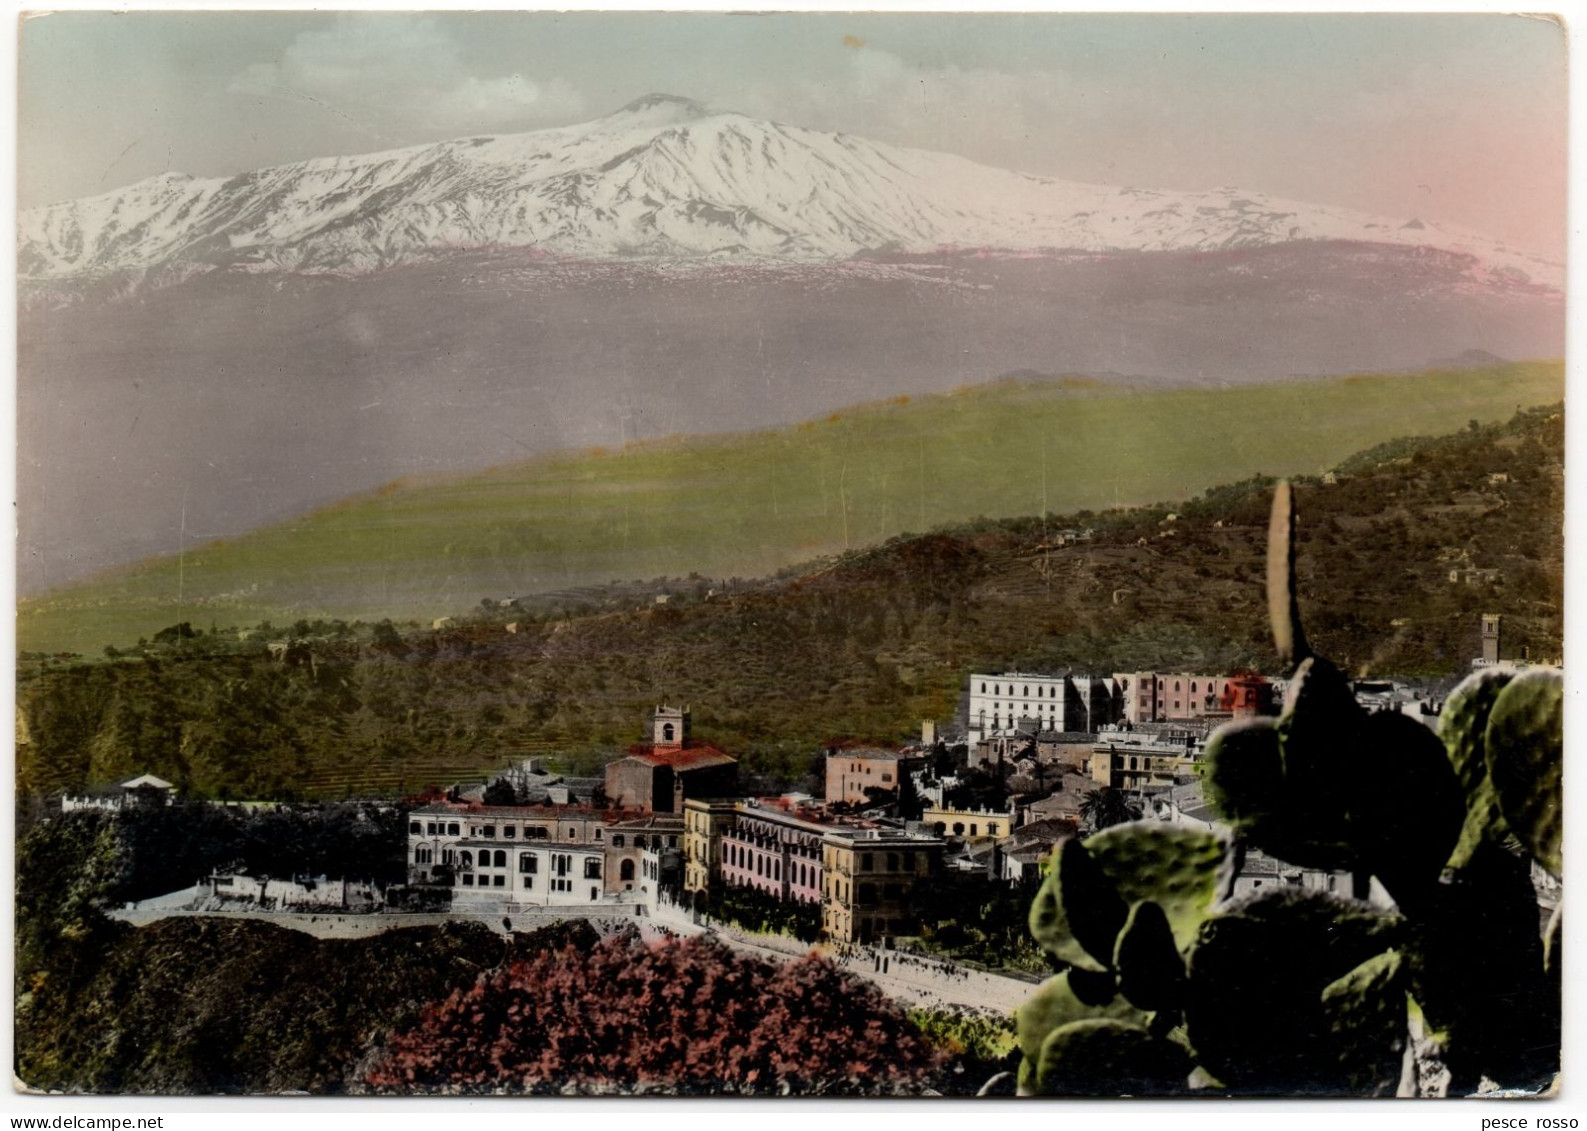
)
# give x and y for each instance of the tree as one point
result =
(501, 792)
(1103, 808)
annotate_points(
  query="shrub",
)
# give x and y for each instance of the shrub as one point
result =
(688, 1017)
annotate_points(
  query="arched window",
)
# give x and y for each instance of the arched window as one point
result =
(467, 859)
(501, 858)
(625, 871)
(941, 828)
(667, 732)
(958, 828)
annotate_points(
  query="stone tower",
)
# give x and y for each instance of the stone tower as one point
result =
(1490, 638)
(669, 728)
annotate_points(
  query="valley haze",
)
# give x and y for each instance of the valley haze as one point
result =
(199, 357)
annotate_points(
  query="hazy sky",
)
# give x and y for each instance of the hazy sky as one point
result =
(1459, 118)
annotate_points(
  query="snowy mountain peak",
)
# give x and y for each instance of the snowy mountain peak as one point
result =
(666, 177)
(662, 109)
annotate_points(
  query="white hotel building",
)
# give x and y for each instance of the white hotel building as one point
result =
(998, 701)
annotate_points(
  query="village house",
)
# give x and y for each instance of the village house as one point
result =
(851, 772)
(969, 824)
(145, 789)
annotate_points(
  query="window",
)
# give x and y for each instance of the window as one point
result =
(595, 893)
(501, 859)
(447, 856)
(489, 830)
(415, 828)
(509, 831)
(866, 862)
(452, 829)
(501, 881)
(468, 879)
(892, 861)
(573, 832)
(597, 835)
(672, 841)
(867, 894)
(529, 883)
(991, 828)
(639, 841)
(468, 859)
(893, 892)
(617, 840)
(975, 830)
(958, 828)
(625, 870)
(667, 732)
(592, 869)
(430, 829)
(421, 855)
(983, 689)
(528, 862)
(887, 777)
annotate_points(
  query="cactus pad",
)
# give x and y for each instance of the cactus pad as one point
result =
(1151, 973)
(1055, 1004)
(1525, 748)
(1366, 1012)
(1183, 871)
(1102, 1057)
(1077, 914)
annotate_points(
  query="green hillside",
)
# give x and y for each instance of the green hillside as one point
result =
(864, 645)
(748, 505)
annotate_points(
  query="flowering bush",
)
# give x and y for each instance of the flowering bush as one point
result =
(688, 1017)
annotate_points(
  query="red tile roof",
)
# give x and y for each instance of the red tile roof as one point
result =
(682, 757)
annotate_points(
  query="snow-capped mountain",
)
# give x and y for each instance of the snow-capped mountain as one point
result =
(666, 178)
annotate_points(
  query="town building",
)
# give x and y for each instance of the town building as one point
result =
(1141, 762)
(969, 824)
(871, 880)
(1003, 701)
(671, 768)
(1161, 697)
(526, 853)
(850, 773)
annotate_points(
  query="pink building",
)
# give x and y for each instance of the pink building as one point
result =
(774, 846)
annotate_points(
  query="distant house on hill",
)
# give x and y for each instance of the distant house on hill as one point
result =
(145, 789)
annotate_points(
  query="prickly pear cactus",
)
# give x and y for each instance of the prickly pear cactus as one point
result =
(1525, 744)
(1121, 909)
(1171, 984)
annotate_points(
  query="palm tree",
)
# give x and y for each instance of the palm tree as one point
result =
(1103, 808)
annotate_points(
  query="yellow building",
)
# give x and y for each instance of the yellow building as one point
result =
(869, 882)
(704, 821)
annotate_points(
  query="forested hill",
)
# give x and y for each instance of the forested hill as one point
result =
(864, 645)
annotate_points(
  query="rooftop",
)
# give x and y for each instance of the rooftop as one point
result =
(682, 758)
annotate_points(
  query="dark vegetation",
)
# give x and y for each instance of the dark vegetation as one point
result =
(754, 910)
(211, 1005)
(864, 645)
(681, 1017)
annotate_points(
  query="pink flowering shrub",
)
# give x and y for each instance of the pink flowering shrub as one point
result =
(689, 1017)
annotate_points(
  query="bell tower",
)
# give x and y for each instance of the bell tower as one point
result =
(1490, 638)
(669, 728)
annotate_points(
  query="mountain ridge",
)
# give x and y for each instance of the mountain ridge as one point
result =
(667, 177)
